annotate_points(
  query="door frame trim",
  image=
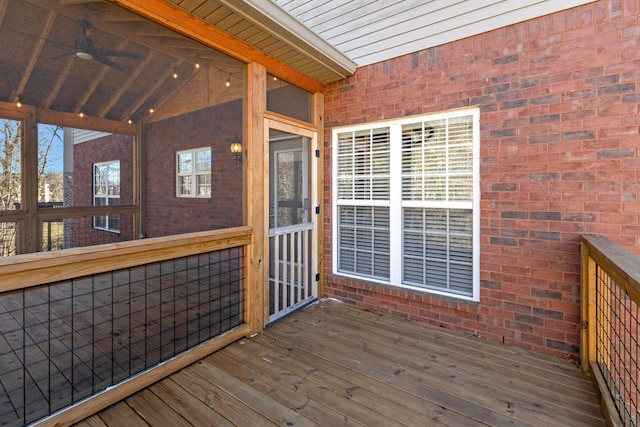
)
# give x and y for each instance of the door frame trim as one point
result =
(296, 127)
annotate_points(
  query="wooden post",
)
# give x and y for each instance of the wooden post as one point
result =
(257, 173)
(30, 231)
(318, 100)
(588, 309)
(137, 183)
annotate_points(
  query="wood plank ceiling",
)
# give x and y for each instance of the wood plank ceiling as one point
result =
(94, 58)
(270, 29)
(128, 63)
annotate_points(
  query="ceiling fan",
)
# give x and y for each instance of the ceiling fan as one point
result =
(85, 49)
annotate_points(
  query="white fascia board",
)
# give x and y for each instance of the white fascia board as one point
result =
(272, 19)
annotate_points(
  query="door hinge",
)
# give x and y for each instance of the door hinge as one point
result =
(318, 154)
(317, 210)
(317, 277)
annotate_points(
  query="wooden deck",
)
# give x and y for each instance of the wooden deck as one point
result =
(334, 364)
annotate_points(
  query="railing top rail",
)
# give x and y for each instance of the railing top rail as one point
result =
(290, 229)
(22, 271)
(620, 264)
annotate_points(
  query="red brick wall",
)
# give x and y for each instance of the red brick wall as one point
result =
(559, 99)
(85, 155)
(166, 214)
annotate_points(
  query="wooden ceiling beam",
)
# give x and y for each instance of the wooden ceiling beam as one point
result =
(140, 68)
(97, 79)
(13, 112)
(145, 97)
(160, 102)
(3, 9)
(66, 2)
(62, 77)
(31, 62)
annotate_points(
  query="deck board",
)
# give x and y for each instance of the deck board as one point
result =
(334, 364)
(508, 391)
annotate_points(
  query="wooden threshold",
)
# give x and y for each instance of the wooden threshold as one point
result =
(335, 364)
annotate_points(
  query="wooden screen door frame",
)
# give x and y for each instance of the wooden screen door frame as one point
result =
(306, 276)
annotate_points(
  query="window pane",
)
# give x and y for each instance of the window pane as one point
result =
(438, 249)
(204, 185)
(184, 163)
(364, 245)
(437, 160)
(100, 222)
(100, 179)
(184, 185)
(113, 223)
(113, 178)
(107, 193)
(364, 165)
(203, 161)
(290, 100)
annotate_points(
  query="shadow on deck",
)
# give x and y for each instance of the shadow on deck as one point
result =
(337, 365)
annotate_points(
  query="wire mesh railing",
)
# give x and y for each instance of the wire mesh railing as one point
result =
(611, 326)
(63, 342)
(617, 349)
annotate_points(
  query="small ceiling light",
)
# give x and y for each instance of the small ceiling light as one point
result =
(151, 110)
(129, 121)
(81, 114)
(228, 83)
(175, 73)
(19, 104)
(197, 64)
(275, 78)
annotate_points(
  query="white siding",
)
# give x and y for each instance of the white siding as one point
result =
(82, 135)
(370, 31)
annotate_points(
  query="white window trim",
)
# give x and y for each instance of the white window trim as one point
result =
(193, 174)
(107, 197)
(396, 204)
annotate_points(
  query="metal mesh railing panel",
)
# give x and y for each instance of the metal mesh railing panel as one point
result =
(617, 347)
(64, 342)
(8, 238)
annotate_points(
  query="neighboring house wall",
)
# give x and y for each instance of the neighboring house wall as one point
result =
(559, 98)
(85, 155)
(166, 214)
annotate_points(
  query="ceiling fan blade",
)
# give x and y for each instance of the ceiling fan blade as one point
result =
(100, 51)
(63, 55)
(106, 61)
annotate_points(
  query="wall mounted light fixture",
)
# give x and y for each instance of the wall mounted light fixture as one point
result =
(236, 149)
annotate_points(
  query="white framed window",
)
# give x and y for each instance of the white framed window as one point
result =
(406, 202)
(106, 192)
(193, 173)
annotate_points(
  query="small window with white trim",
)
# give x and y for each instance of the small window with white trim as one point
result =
(406, 203)
(193, 173)
(106, 192)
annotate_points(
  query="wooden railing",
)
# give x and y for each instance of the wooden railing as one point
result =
(73, 317)
(610, 351)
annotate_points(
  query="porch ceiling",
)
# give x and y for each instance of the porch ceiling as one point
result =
(133, 60)
(270, 29)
